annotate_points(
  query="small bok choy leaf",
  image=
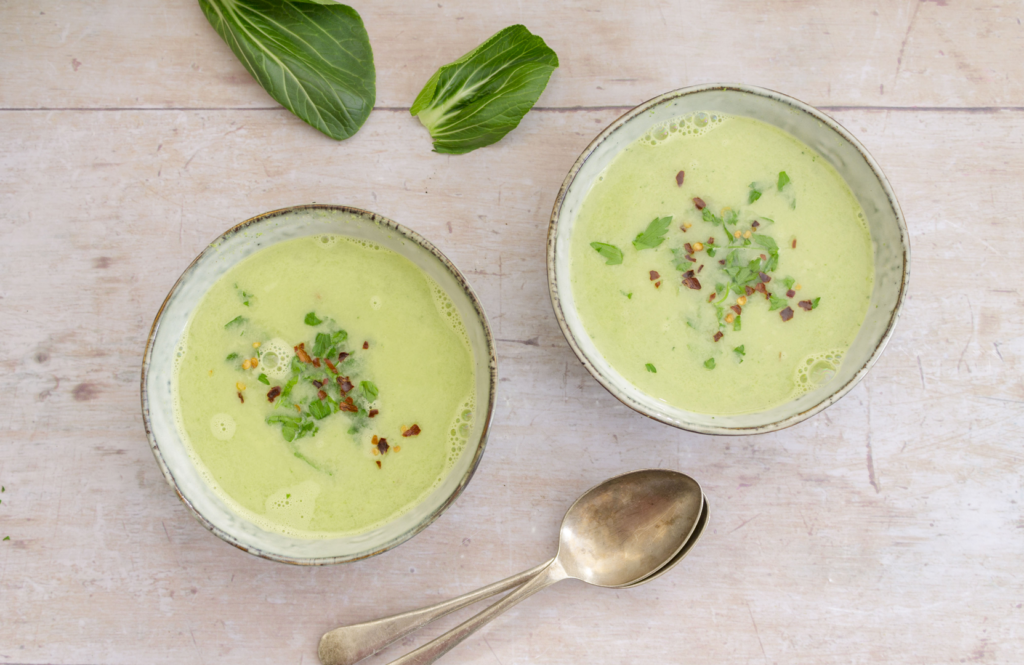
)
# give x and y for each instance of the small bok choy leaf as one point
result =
(476, 100)
(312, 56)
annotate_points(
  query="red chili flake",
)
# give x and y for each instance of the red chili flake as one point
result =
(654, 275)
(699, 268)
(316, 363)
(683, 229)
(786, 314)
(806, 304)
(321, 394)
(331, 366)
(241, 397)
(679, 178)
(689, 248)
(273, 394)
(341, 357)
(749, 291)
(366, 345)
(760, 288)
(719, 335)
(344, 384)
(763, 257)
(412, 431)
(348, 405)
(711, 241)
(688, 273)
(300, 351)
(737, 309)
(383, 446)
(318, 384)
(794, 243)
(692, 283)
(722, 261)
(755, 224)
(764, 277)
(372, 413)
(690, 258)
(790, 293)
(657, 285)
(712, 297)
(699, 202)
(378, 464)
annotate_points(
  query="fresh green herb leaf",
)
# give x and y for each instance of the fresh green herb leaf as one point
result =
(231, 356)
(651, 369)
(611, 253)
(319, 409)
(755, 193)
(765, 241)
(814, 303)
(628, 295)
(740, 350)
(7, 537)
(474, 101)
(312, 320)
(263, 379)
(679, 259)
(322, 346)
(237, 321)
(313, 57)
(783, 180)
(710, 217)
(369, 390)
(777, 303)
(711, 251)
(709, 363)
(736, 325)
(788, 282)
(338, 337)
(731, 217)
(654, 234)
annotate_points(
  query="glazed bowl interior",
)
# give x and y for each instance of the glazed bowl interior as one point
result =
(890, 246)
(167, 441)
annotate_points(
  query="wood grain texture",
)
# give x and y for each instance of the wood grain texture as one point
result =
(886, 529)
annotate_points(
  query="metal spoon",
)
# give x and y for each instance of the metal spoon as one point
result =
(617, 534)
(348, 645)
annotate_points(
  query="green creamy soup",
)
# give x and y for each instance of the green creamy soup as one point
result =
(721, 265)
(324, 386)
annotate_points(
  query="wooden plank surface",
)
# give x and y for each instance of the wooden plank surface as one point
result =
(886, 529)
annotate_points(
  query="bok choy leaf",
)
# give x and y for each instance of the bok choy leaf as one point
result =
(476, 100)
(312, 56)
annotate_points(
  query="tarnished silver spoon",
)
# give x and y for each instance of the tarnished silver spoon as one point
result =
(624, 532)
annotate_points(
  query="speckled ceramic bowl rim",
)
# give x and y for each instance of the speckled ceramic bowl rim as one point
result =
(492, 391)
(556, 302)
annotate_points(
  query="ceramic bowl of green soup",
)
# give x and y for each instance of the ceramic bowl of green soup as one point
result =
(727, 259)
(319, 384)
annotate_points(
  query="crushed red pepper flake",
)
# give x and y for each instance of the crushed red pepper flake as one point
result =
(712, 297)
(273, 394)
(794, 243)
(790, 293)
(722, 261)
(318, 384)
(749, 291)
(657, 285)
(755, 224)
(760, 288)
(412, 431)
(366, 345)
(690, 258)
(342, 356)
(737, 309)
(711, 241)
(699, 202)
(688, 273)
(786, 314)
(692, 283)
(701, 267)
(372, 413)
(344, 384)
(763, 257)
(330, 366)
(241, 397)
(689, 248)
(316, 363)
(300, 351)
(719, 335)
(383, 446)
(679, 178)
(806, 304)
(764, 277)
(378, 464)
(321, 394)
(348, 405)
(654, 275)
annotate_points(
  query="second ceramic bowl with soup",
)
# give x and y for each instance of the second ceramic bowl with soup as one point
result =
(727, 260)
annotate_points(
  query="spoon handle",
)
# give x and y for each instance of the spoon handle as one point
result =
(433, 650)
(350, 644)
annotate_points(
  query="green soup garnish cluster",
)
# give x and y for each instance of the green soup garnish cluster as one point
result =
(721, 265)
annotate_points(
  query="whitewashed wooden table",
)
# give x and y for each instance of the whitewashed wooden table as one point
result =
(887, 529)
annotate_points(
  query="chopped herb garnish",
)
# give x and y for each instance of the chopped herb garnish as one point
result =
(777, 303)
(755, 193)
(789, 282)
(783, 180)
(7, 537)
(611, 253)
(312, 320)
(814, 303)
(231, 356)
(263, 379)
(237, 321)
(740, 350)
(628, 295)
(736, 324)
(709, 363)
(319, 409)
(369, 389)
(651, 368)
(653, 235)
(323, 347)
